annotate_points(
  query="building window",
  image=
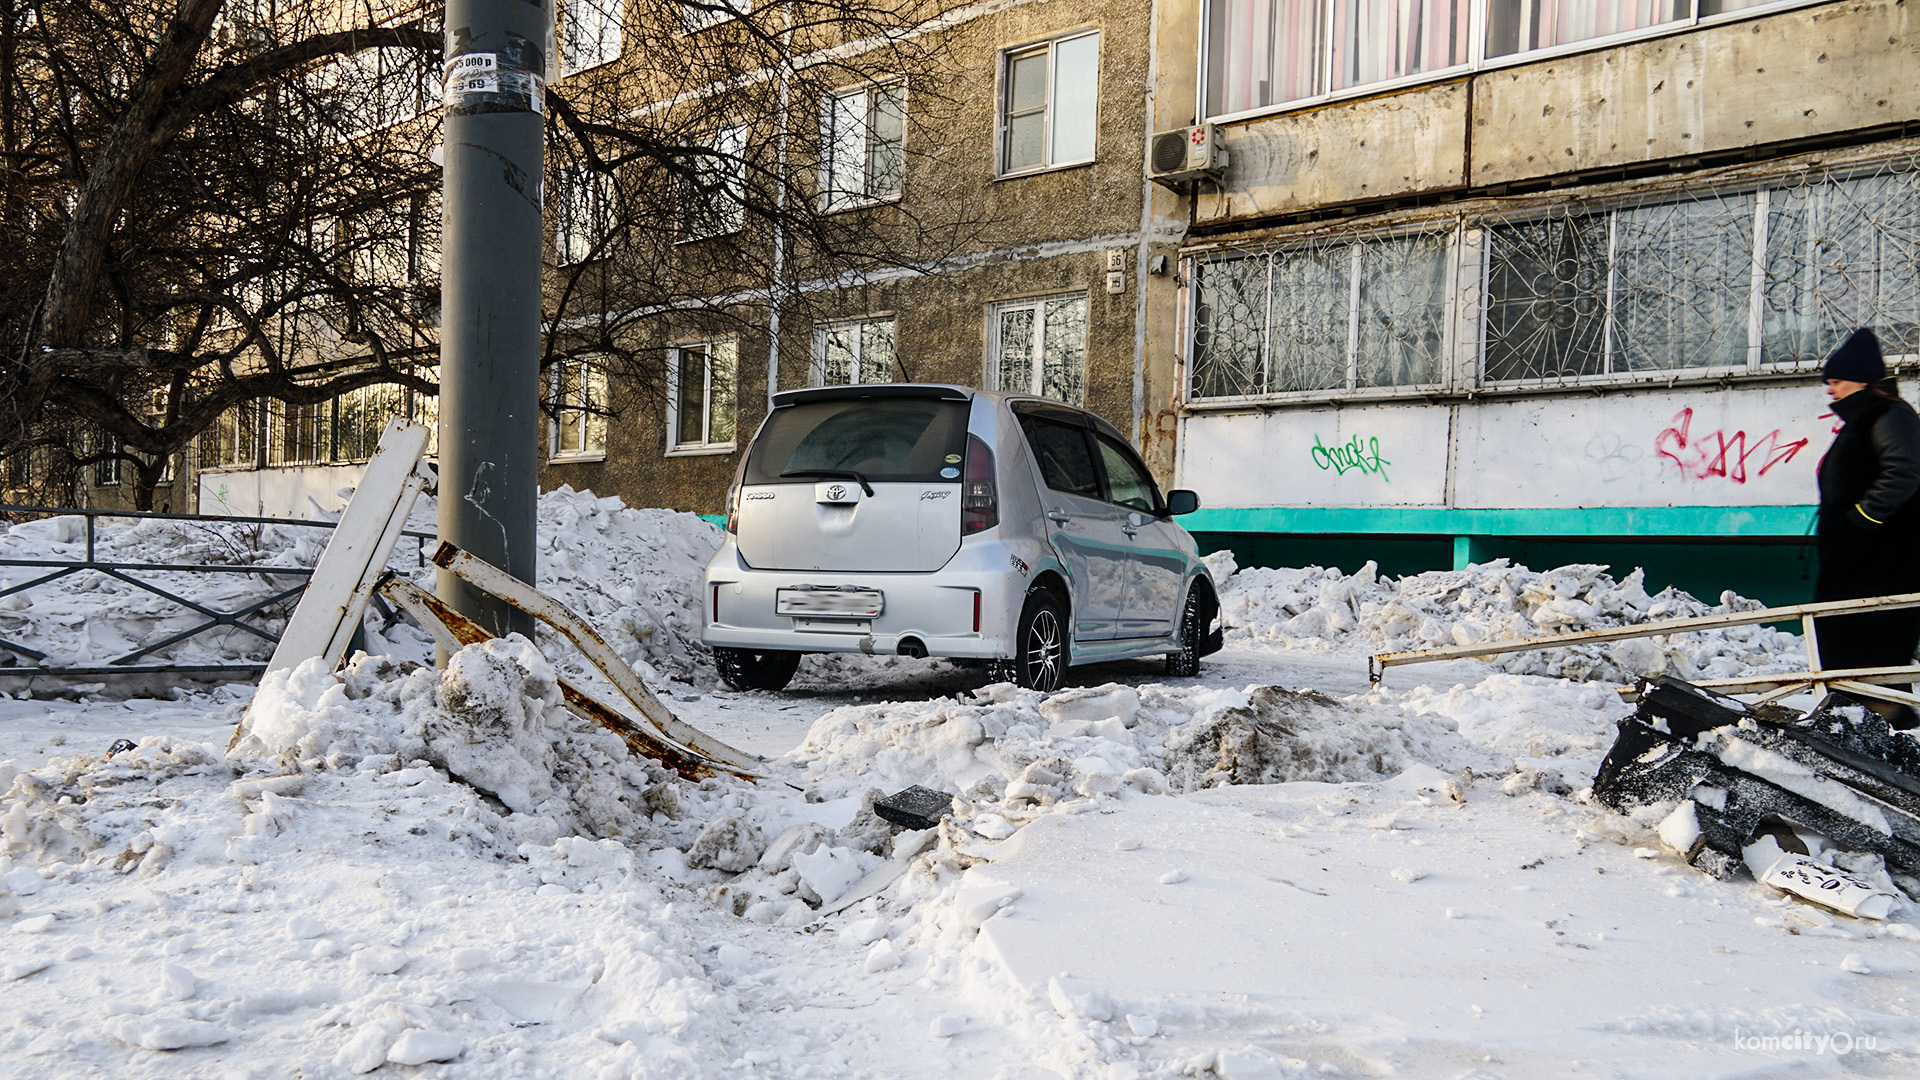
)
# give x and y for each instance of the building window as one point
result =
(1040, 347)
(583, 213)
(701, 396)
(1342, 314)
(1719, 282)
(579, 427)
(359, 418)
(1841, 254)
(589, 34)
(713, 199)
(232, 438)
(1262, 53)
(699, 14)
(106, 470)
(1515, 26)
(860, 351)
(862, 136)
(1049, 98)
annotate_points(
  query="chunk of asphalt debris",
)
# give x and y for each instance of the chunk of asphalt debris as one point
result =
(914, 808)
(1840, 771)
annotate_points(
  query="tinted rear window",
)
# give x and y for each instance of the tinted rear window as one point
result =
(901, 440)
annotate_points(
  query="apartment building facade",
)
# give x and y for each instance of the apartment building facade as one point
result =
(1545, 279)
(1038, 130)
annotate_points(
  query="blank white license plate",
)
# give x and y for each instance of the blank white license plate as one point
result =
(837, 603)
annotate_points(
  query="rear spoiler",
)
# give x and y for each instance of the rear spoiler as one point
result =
(859, 391)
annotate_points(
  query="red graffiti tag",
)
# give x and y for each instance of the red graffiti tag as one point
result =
(1720, 453)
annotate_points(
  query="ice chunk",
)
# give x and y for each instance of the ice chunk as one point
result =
(418, 1047)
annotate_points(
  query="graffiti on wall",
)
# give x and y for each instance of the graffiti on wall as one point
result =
(1351, 455)
(1731, 455)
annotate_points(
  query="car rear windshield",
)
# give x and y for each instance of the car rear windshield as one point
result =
(914, 440)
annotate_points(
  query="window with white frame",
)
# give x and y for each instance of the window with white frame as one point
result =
(699, 14)
(701, 395)
(1262, 53)
(713, 200)
(1040, 347)
(579, 392)
(589, 34)
(1049, 103)
(862, 145)
(857, 351)
(583, 212)
(1712, 282)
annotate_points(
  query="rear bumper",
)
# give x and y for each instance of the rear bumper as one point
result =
(968, 608)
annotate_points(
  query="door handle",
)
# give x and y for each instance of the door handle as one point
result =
(1129, 530)
(1059, 517)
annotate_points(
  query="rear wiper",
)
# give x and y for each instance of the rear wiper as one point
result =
(832, 474)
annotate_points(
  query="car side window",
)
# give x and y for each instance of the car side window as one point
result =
(1065, 460)
(1128, 482)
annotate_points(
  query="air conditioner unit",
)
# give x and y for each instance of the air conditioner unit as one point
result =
(1186, 154)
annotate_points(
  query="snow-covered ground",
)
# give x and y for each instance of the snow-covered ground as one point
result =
(1270, 870)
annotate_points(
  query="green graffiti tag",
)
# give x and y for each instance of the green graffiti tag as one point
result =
(1352, 454)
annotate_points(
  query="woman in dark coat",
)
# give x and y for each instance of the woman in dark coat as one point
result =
(1869, 524)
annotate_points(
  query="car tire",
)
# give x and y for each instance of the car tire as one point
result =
(1040, 657)
(756, 669)
(1195, 614)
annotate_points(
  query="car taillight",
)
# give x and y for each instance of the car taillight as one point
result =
(733, 510)
(979, 502)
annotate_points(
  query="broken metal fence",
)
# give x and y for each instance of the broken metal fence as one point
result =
(1770, 687)
(283, 586)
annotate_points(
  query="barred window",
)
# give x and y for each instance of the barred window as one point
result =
(1723, 281)
(1040, 347)
(860, 351)
(1340, 314)
(1842, 254)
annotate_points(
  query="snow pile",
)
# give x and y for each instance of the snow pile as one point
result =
(1010, 753)
(492, 720)
(1323, 608)
(633, 574)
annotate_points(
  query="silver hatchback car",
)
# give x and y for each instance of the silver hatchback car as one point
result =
(933, 520)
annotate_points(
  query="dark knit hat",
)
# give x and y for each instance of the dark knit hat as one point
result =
(1857, 359)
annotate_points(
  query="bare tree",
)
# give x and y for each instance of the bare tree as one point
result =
(208, 203)
(205, 196)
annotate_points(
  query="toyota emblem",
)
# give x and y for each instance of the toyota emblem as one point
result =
(836, 492)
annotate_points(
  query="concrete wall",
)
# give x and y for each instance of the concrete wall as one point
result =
(1808, 73)
(1750, 446)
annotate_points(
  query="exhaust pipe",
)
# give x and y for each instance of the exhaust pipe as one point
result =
(912, 646)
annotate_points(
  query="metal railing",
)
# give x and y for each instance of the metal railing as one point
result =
(275, 578)
(1817, 677)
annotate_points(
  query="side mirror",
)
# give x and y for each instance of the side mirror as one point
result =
(1182, 501)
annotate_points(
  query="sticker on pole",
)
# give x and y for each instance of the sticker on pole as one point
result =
(481, 82)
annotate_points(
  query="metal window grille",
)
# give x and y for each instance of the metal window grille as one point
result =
(1040, 347)
(860, 351)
